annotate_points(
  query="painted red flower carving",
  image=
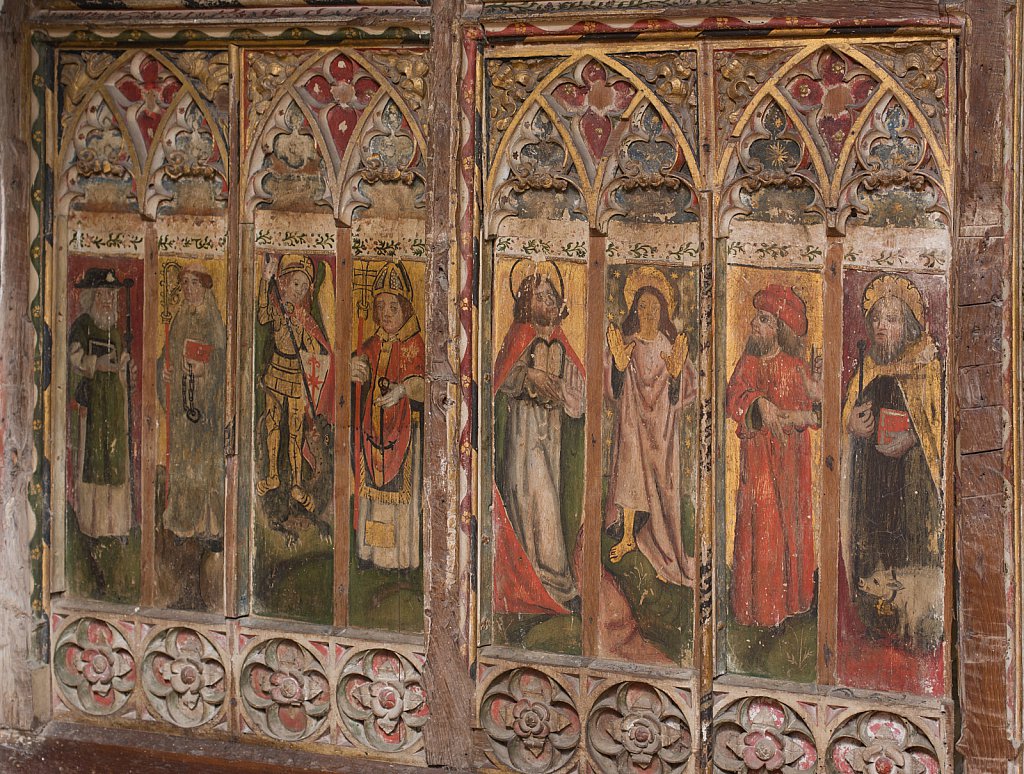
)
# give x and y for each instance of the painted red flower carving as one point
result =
(94, 667)
(833, 95)
(382, 700)
(595, 98)
(766, 749)
(881, 743)
(150, 89)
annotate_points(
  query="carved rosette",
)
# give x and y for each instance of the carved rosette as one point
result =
(94, 667)
(183, 677)
(285, 690)
(636, 728)
(531, 720)
(382, 700)
(760, 734)
(881, 743)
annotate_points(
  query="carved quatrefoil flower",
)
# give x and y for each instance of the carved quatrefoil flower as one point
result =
(531, 721)
(762, 735)
(636, 728)
(284, 690)
(94, 667)
(881, 743)
(382, 700)
(183, 677)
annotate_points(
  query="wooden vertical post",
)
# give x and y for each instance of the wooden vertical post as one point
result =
(592, 496)
(231, 391)
(149, 416)
(831, 468)
(447, 735)
(343, 470)
(17, 522)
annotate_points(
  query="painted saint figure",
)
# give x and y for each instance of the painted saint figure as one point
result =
(100, 367)
(190, 388)
(651, 380)
(774, 397)
(388, 370)
(298, 378)
(539, 385)
(100, 383)
(191, 373)
(892, 508)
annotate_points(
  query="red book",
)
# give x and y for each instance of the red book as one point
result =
(890, 423)
(198, 351)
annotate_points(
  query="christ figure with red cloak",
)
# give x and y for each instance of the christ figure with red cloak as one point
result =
(774, 397)
(539, 392)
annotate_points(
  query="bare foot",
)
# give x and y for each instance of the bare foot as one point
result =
(268, 484)
(620, 549)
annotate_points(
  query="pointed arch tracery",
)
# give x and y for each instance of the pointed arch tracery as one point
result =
(591, 100)
(844, 79)
(348, 104)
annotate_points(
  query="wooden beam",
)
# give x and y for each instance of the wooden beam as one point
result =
(17, 521)
(447, 734)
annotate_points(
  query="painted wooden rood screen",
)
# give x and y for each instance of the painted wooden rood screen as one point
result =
(698, 411)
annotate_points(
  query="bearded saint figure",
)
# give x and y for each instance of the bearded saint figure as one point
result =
(191, 390)
(892, 511)
(99, 364)
(651, 381)
(774, 397)
(539, 388)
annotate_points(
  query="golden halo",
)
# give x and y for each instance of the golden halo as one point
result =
(526, 267)
(648, 276)
(893, 286)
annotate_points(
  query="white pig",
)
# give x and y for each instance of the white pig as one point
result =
(915, 595)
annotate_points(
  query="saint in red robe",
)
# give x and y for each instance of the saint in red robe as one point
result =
(773, 558)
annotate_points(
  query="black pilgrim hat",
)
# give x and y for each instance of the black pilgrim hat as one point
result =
(98, 277)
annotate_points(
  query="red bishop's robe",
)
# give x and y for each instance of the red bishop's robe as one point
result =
(773, 557)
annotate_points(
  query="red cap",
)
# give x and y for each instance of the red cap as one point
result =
(785, 304)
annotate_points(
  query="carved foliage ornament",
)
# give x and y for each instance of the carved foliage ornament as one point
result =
(78, 76)
(740, 76)
(921, 68)
(183, 677)
(285, 690)
(532, 722)
(382, 700)
(881, 743)
(636, 729)
(673, 78)
(760, 734)
(94, 666)
(265, 72)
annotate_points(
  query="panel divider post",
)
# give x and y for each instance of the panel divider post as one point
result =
(148, 422)
(230, 568)
(592, 520)
(343, 471)
(831, 469)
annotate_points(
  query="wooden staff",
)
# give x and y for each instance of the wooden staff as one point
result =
(862, 345)
(128, 338)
